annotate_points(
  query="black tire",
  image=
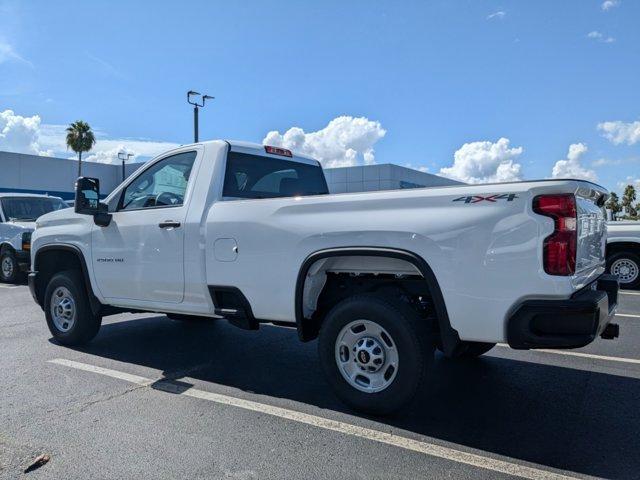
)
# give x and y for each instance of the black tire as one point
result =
(633, 258)
(413, 341)
(86, 324)
(11, 277)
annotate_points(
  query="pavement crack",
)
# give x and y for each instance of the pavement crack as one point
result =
(108, 398)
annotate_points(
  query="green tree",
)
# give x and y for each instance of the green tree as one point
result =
(613, 203)
(80, 139)
(628, 197)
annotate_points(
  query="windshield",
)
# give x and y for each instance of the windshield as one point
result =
(29, 208)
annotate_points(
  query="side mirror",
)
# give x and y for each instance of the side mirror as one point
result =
(87, 196)
(88, 201)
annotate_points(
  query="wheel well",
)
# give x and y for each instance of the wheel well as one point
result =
(623, 247)
(328, 277)
(52, 260)
(6, 247)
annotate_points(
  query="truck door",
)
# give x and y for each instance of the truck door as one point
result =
(140, 255)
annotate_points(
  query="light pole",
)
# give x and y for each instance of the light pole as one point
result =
(124, 156)
(196, 105)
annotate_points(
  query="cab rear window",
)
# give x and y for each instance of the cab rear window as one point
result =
(256, 176)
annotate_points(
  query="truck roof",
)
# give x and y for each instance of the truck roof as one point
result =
(258, 149)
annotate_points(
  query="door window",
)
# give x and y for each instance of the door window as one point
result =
(162, 185)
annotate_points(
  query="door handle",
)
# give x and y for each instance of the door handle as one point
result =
(169, 224)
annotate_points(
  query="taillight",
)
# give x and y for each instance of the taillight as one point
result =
(559, 247)
(278, 151)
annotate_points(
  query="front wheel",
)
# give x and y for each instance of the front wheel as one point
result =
(375, 352)
(9, 268)
(66, 307)
(626, 266)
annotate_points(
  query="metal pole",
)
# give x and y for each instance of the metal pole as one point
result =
(195, 124)
(123, 169)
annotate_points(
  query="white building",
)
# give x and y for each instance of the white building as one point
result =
(56, 176)
(386, 176)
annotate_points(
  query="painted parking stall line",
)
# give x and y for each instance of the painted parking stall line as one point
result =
(627, 315)
(430, 449)
(582, 355)
(627, 292)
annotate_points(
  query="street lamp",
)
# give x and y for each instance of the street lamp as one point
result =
(196, 104)
(124, 156)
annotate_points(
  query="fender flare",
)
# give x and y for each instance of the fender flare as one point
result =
(95, 304)
(7, 246)
(449, 336)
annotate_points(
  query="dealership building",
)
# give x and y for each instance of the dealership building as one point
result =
(56, 176)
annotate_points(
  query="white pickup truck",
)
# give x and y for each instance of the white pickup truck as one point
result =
(18, 214)
(623, 252)
(250, 233)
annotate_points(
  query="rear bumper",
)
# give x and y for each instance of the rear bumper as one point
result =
(571, 323)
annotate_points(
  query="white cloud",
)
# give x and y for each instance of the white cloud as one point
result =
(621, 132)
(29, 135)
(600, 37)
(344, 142)
(106, 151)
(105, 66)
(485, 162)
(629, 181)
(8, 54)
(609, 4)
(20, 134)
(497, 15)
(602, 162)
(420, 168)
(571, 166)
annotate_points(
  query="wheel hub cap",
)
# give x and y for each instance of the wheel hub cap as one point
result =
(366, 356)
(369, 354)
(7, 267)
(63, 309)
(626, 270)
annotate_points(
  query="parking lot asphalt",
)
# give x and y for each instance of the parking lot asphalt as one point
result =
(155, 398)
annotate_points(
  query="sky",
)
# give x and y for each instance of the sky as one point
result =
(471, 89)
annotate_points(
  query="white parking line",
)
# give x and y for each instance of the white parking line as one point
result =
(629, 315)
(430, 449)
(583, 355)
(627, 292)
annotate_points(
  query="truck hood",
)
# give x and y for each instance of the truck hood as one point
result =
(57, 217)
(22, 225)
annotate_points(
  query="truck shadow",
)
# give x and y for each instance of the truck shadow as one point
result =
(576, 420)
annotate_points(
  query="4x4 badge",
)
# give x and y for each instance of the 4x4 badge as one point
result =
(491, 198)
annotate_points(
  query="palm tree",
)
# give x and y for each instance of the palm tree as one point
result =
(80, 139)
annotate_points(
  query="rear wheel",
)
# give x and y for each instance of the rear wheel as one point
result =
(66, 306)
(374, 352)
(9, 268)
(626, 266)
